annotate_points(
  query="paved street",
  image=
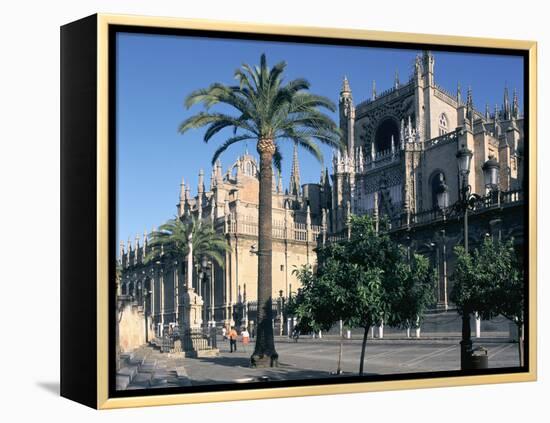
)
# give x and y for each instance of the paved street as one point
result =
(311, 358)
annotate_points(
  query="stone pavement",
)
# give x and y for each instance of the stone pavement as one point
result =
(310, 358)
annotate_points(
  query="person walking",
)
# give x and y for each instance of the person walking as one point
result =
(224, 333)
(246, 338)
(233, 339)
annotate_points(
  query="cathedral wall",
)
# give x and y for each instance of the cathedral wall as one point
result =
(131, 327)
(249, 189)
(437, 107)
(441, 158)
(285, 260)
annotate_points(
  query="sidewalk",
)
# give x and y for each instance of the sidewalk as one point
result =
(235, 368)
(309, 358)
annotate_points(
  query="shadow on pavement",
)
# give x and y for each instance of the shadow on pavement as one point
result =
(226, 361)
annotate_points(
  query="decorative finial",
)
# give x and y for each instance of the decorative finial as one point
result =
(396, 79)
(345, 86)
(515, 105)
(373, 89)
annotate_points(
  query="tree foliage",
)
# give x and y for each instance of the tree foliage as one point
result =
(489, 281)
(364, 281)
(266, 108)
(173, 239)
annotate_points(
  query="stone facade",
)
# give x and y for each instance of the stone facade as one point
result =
(403, 142)
(399, 145)
(229, 293)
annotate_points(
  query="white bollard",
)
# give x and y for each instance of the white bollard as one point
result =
(478, 326)
(288, 326)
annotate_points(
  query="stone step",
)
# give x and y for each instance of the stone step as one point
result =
(122, 382)
(140, 381)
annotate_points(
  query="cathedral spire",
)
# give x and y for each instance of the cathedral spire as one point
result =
(327, 178)
(219, 175)
(470, 105)
(515, 105)
(345, 87)
(200, 187)
(294, 188)
(458, 93)
(182, 191)
(506, 103)
(181, 206)
(487, 112)
(496, 126)
(373, 89)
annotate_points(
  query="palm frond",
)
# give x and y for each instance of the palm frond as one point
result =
(228, 143)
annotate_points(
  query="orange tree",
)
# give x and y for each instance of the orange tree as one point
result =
(364, 281)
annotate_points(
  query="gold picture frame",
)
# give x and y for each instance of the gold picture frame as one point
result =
(96, 33)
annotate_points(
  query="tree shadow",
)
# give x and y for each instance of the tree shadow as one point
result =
(226, 361)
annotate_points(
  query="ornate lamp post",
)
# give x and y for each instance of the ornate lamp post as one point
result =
(465, 203)
(491, 172)
(203, 281)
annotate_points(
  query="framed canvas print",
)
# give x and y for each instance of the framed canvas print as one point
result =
(254, 211)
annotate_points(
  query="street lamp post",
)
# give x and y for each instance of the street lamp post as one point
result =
(203, 283)
(466, 202)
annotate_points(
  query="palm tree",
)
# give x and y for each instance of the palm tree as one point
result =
(173, 239)
(268, 112)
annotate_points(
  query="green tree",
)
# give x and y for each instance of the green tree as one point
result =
(364, 281)
(172, 238)
(490, 282)
(268, 112)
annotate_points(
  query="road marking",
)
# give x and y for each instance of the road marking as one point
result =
(500, 350)
(425, 357)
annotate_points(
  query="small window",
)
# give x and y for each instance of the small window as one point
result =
(443, 124)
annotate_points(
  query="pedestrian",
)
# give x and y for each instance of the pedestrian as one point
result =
(246, 338)
(224, 333)
(233, 339)
(295, 334)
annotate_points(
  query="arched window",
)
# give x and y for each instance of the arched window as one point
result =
(443, 124)
(385, 132)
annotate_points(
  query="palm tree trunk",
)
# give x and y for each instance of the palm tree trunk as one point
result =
(363, 350)
(264, 352)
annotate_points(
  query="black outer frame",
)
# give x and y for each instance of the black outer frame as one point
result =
(79, 116)
(79, 211)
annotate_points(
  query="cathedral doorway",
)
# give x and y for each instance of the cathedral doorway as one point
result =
(387, 130)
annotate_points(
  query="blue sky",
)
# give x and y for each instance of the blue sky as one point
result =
(156, 72)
